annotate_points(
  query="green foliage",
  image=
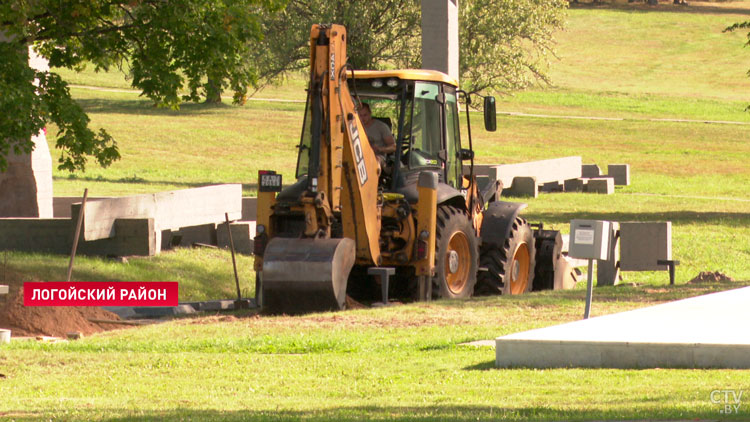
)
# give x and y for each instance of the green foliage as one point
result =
(382, 33)
(741, 25)
(504, 44)
(171, 46)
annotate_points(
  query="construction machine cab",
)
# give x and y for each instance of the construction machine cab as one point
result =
(423, 106)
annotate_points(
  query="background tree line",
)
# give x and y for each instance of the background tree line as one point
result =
(194, 50)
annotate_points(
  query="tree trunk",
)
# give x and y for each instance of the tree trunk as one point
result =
(213, 91)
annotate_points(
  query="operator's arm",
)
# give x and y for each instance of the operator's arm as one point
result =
(390, 145)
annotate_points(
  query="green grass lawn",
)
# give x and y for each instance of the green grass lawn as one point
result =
(399, 363)
(634, 63)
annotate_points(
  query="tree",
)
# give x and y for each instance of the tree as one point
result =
(380, 33)
(504, 44)
(738, 26)
(170, 46)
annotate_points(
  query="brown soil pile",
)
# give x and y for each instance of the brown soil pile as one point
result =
(711, 277)
(49, 321)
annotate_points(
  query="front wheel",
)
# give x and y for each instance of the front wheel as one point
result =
(510, 267)
(456, 255)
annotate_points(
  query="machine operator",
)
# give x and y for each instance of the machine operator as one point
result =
(378, 133)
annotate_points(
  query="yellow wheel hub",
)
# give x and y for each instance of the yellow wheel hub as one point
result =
(457, 262)
(518, 270)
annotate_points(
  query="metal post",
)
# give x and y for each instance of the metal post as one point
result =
(78, 234)
(258, 290)
(589, 289)
(239, 303)
(234, 262)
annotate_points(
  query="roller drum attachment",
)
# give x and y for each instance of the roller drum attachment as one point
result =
(306, 275)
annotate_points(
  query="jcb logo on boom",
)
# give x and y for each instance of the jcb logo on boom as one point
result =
(359, 158)
(730, 399)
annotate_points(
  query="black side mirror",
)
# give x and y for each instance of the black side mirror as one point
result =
(466, 154)
(490, 115)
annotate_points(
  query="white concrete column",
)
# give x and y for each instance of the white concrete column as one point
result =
(440, 36)
(26, 185)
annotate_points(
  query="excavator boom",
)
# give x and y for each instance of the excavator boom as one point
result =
(306, 269)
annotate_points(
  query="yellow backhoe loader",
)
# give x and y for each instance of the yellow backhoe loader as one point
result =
(419, 220)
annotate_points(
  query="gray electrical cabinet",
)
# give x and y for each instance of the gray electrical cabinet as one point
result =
(589, 239)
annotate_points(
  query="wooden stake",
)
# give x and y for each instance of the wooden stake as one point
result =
(78, 233)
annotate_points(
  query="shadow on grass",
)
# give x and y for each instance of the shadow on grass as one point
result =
(620, 293)
(140, 181)
(642, 7)
(390, 413)
(736, 219)
(146, 107)
(484, 366)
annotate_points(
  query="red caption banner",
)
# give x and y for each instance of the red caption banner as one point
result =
(101, 293)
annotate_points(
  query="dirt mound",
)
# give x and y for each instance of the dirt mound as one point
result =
(711, 277)
(49, 321)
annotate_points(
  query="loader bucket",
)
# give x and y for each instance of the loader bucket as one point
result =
(306, 275)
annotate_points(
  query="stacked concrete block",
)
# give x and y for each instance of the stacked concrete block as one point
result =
(249, 208)
(52, 235)
(523, 186)
(188, 236)
(620, 173)
(608, 271)
(62, 205)
(574, 185)
(170, 210)
(604, 185)
(643, 244)
(552, 187)
(243, 233)
(133, 237)
(544, 171)
(55, 235)
(590, 170)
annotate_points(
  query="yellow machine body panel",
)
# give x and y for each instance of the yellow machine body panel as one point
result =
(408, 74)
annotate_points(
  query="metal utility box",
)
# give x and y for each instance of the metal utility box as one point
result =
(589, 239)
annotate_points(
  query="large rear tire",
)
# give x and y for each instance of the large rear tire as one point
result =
(510, 267)
(456, 255)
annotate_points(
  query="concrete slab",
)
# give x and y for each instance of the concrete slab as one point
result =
(61, 205)
(699, 332)
(574, 185)
(603, 185)
(608, 271)
(620, 172)
(3, 289)
(590, 170)
(170, 210)
(523, 186)
(243, 233)
(249, 208)
(544, 171)
(642, 244)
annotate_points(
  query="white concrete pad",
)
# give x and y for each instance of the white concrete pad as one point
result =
(701, 332)
(3, 289)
